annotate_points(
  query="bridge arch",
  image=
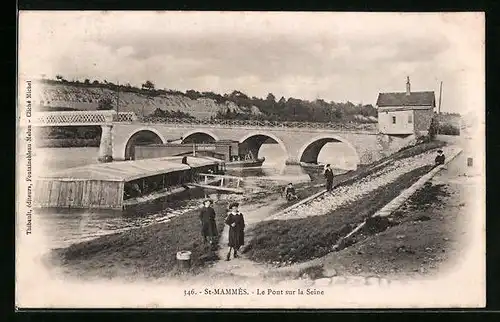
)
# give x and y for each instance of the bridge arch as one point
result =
(199, 136)
(253, 141)
(141, 136)
(310, 151)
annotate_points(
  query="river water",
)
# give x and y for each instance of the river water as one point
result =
(63, 228)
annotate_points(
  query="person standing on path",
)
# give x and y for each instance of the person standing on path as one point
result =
(236, 224)
(208, 225)
(328, 173)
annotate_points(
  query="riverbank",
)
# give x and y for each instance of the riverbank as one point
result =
(149, 252)
(427, 236)
(284, 242)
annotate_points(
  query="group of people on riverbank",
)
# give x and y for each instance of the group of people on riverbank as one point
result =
(235, 221)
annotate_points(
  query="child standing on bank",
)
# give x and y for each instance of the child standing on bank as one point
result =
(236, 224)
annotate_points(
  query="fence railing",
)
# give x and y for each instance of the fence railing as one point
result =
(102, 117)
(257, 123)
(223, 182)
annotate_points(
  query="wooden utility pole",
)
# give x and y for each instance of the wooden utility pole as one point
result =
(118, 98)
(439, 104)
(440, 95)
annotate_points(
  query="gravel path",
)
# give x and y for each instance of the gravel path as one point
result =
(349, 193)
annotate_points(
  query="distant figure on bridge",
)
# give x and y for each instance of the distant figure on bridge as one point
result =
(208, 225)
(185, 160)
(328, 173)
(236, 224)
(290, 193)
(439, 158)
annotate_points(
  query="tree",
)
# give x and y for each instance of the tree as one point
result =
(105, 103)
(59, 77)
(96, 82)
(271, 97)
(86, 81)
(148, 85)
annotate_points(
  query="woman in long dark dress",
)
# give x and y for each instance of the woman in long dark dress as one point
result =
(328, 173)
(208, 225)
(236, 224)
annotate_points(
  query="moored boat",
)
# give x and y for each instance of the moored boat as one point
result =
(250, 163)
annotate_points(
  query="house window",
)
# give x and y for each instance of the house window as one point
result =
(410, 118)
(393, 120)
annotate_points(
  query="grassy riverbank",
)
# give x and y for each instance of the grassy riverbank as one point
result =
(148, 252)
(426, 235)
(298, 240)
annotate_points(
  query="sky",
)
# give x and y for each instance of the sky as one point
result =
(333, 56)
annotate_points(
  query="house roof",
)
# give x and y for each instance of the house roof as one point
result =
(401, 99)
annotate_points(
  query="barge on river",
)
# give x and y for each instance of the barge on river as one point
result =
(119, 185)
(229, 151)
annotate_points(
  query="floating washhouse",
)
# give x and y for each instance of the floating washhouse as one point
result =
(117, 185)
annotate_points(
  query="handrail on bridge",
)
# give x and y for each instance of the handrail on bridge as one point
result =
(255, 123)
(103, 117)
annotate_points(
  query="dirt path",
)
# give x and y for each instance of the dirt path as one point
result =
(254, 213)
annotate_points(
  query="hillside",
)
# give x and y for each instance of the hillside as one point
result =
(56, 95)
(61, 94)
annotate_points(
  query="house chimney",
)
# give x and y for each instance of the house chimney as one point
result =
(408, 85)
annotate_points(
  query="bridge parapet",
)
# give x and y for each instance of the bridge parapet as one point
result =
(79, 118)
(126, 117)
(256, 124)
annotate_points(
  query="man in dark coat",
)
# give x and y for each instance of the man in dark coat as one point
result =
(440, 158)
(329, 177)
(236, 224)
(207, 219)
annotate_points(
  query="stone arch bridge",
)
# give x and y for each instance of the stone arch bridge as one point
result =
(300, 141)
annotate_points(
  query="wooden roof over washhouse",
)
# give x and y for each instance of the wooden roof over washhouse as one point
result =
(124, 171)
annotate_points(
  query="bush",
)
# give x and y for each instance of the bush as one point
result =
(448, 129)
(105, 103)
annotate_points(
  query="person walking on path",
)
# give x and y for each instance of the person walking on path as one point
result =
(208, 225)
(236, 224)
(328, 173)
